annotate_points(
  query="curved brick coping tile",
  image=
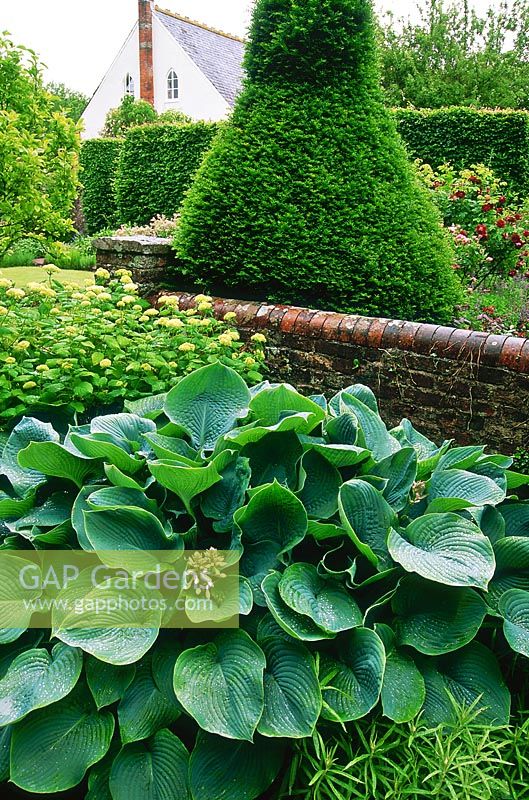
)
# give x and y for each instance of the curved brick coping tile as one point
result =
(488, 349)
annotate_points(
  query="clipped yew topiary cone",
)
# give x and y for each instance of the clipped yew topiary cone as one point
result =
(308, 194)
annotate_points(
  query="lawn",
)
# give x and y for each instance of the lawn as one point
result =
(21, 276)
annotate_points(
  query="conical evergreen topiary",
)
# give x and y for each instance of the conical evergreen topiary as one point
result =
(308, 195)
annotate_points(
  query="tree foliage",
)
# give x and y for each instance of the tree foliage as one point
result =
(309, 195)
(127, 115)
(68, 101)
(39, 149)
(455, 56)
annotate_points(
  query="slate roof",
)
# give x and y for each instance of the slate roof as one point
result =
(218, 55)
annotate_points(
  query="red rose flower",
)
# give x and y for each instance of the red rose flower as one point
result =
(500, 223)
(502, 200)
(481, 231)
(512, 273)
(487, 207)
(460, 194)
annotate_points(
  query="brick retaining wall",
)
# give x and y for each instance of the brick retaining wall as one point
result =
(466, 385)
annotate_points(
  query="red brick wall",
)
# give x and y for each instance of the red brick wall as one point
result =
(466, 385)
(146, 55)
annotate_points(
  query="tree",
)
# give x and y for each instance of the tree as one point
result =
(39, 152)
(308, 194)
(454, 56)
(70, 102)
(127, 115)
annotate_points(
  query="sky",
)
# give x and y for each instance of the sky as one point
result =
(78, 39)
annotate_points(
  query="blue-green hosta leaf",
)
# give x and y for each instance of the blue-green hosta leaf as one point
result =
(252, 433)
(512, 567)
(444, 548)
(352, 677)
(516, 479)
(107, 682)
(221, 769)
(271, 405)
(324, 600)
(98, 777)
(79, 507)
(126, 529)
(516, 516)
(169, 447)
(460, 457)
(436, 619)
(222, 500)
(428, 453)
(147, 407)
(112, 497)
(256, 562)
(400, 472)
(28, 430)
(36, 679)
(116, 636)
(149, 702)
(55, 460)
(339, 455)
(292, 696)
(221, 684)
(55, 510)
(468, 676)
(321, 483)
(368, 518)
(321, 531)
(358, 390)
(374, 431)
(72, 735)
(403, 690)
(454, 489)
(189, 481)
(274, 458)
(274, 513)
(208, 403)
(156, 769)
(104, 447)
(296, 625)
(5, 751)
(126, 427)
(489, 520)
(118, 478)
(342, 429)
(13, 508)
(15, 615)
(514, 608)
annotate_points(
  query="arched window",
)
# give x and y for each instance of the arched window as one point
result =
(172, 85)
(128, 84)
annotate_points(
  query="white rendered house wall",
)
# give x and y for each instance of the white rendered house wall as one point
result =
(111, 90)
(197, 97)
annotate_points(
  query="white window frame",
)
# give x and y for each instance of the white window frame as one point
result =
(128, 85)
(173, 85)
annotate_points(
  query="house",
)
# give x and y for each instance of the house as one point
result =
(173, 63)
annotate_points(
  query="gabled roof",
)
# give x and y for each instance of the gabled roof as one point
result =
(218, 55)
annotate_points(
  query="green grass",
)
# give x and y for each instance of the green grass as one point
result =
(21, 276)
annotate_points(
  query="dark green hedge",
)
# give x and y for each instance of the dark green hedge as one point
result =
(499, 139)
(99, 161)
(156, 167)
(308, 195)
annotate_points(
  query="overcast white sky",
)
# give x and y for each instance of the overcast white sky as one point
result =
(78, 39)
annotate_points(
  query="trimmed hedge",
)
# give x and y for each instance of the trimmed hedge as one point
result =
(156, 167)
(99, 161)
(308, 194)
(464, 136)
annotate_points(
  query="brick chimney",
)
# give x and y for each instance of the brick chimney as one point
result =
(146, 55)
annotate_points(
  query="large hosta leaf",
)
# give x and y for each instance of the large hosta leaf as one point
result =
(28, 430)
(221, 769)
(126, 529)
(149, 702)
(400, 472)
(468, 676)
(155, 769)
(516, 516)
(403, 690)
(326, 601)
(53, 747)
(436, 619)
(208, 403)
(107, 682)
(352, 677)
(454, 489)
(15, 600)
(514, 607)
(119, 635)
(274, 458)
(187, 480)
(269, 406)
(368, 518)
(296, 625)
(222, 500)
(275, 514)
(322, 481)
(512, 567)
(36, 679)
(444, 548)
(221, 684)
(292, 696)
(55, 460)
(106, 447)
(375, 433)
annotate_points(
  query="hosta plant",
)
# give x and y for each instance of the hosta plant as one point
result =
(378, 571)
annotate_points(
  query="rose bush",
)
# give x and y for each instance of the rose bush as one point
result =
(62, 346)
